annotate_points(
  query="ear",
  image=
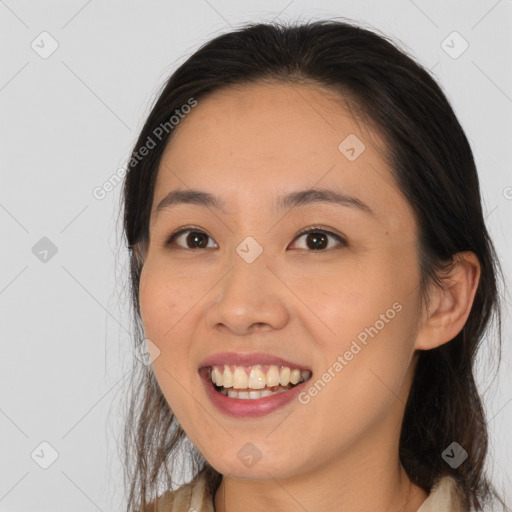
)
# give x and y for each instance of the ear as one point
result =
(449, 305)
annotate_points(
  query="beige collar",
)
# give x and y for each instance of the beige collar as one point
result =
(443, 496)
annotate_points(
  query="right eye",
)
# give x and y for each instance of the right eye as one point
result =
(196, 238)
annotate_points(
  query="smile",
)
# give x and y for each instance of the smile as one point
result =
(252, 391)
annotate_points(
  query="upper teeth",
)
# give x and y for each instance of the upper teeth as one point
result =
(256, 377)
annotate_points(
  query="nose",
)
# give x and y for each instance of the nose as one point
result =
(250, 298)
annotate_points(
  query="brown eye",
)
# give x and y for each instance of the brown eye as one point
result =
(192, 240)
(318, 240)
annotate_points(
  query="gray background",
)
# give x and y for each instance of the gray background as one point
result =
(68, 121)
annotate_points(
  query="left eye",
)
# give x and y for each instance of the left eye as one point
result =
(319, 239)
(316, 239)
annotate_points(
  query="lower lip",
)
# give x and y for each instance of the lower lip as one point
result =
(250, 408)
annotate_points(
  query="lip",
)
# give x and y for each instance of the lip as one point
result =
(249, 360)
(251, 408)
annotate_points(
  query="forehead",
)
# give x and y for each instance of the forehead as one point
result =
(258, 141)
(268, 123)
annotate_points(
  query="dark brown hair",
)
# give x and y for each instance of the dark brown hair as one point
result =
(433, 165)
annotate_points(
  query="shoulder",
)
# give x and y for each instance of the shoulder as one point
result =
(190, 497)
(445, 495)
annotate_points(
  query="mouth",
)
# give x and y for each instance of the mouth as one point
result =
(253, 382)
(252, 391)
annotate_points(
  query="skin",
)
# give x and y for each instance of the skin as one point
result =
(340, 451)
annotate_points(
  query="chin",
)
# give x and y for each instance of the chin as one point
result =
(263, 469)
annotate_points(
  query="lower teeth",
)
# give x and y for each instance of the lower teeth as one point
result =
(251, 394)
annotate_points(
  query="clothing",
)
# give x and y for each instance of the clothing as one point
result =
(191, 497)
(443, 496)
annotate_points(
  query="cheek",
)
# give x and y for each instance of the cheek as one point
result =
(361, 384)
(372, 320)
(163, 305)
(170, 309)
(160, 308)
(372, 356)
(160, 313)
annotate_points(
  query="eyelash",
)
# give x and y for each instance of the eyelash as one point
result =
(311, 229)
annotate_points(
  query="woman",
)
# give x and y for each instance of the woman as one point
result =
(312, 276)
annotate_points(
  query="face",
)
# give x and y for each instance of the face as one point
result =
(340, 300)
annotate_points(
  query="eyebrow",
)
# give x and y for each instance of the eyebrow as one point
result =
(290, 200)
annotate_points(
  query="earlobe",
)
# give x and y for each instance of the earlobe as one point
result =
(449, 304)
